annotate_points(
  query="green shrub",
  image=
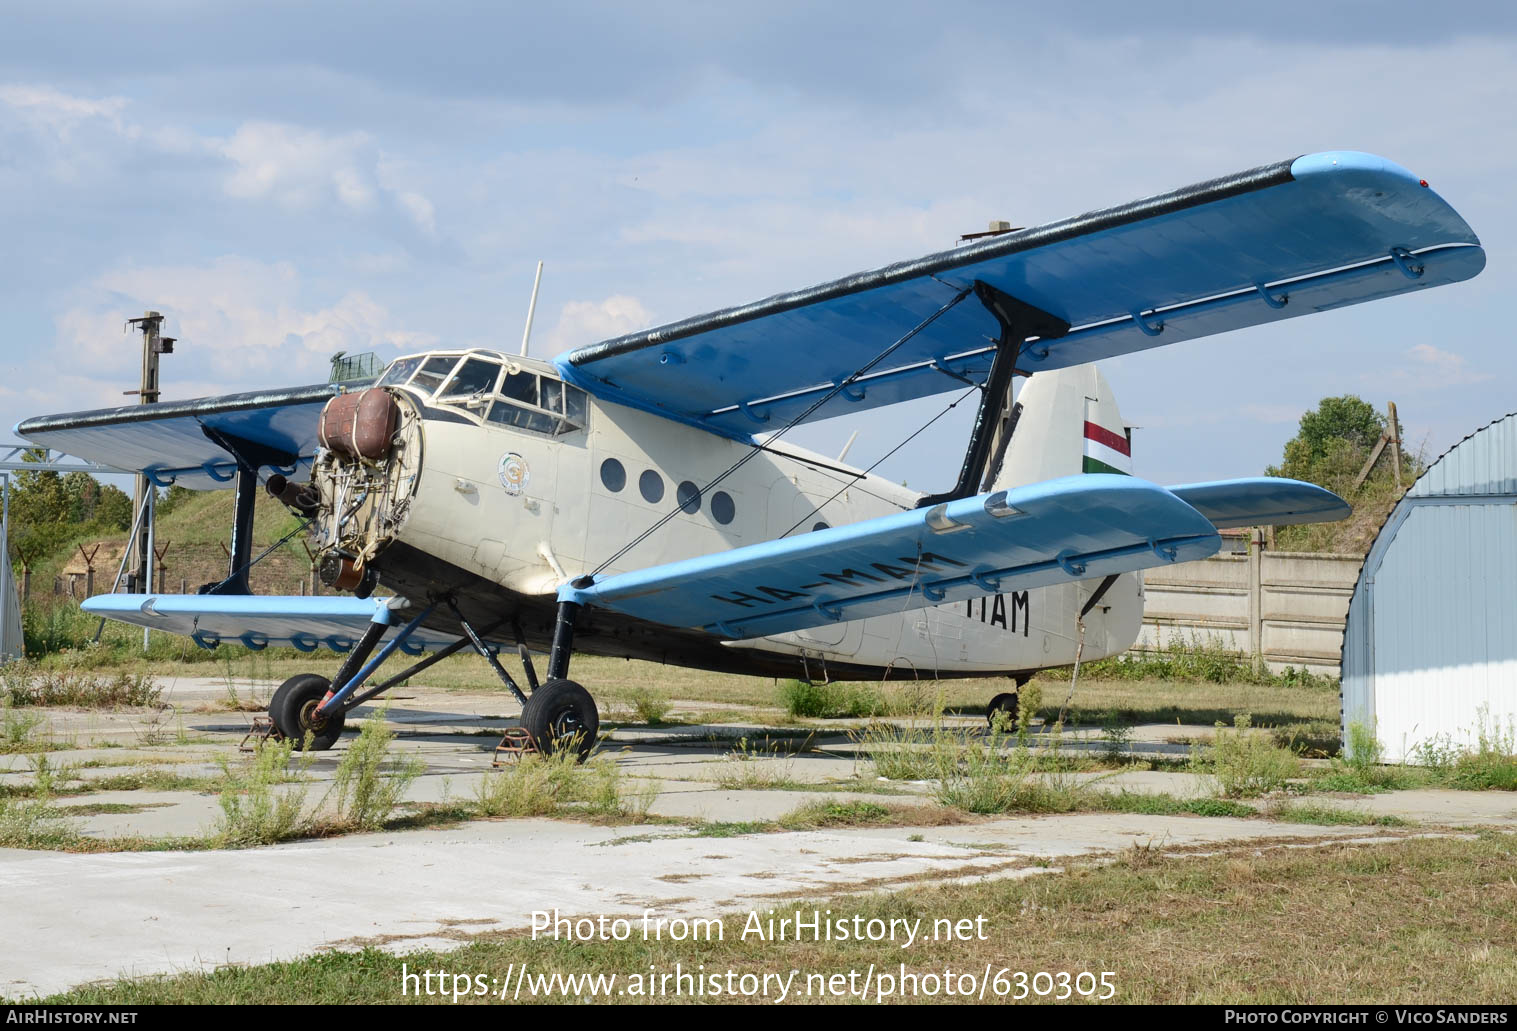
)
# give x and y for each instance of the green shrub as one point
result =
(1493, 763)
(650, 705)
(369, 781)
(255, 810)
(1247, 763)
(833, 700)
(557, 784)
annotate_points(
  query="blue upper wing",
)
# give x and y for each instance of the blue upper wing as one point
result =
(1319, 232)
(169, 441)
(1074, 528)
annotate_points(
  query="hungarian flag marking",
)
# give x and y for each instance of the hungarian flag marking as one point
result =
(1105, 451)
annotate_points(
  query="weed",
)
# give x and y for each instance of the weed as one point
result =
(1200, 659)
(253, 809)
(16, 730)
(369, 781)
(1167, 805)
(556, 784)
(26, 683)
(834, 700)
(1362, 769)
(747, 768)
(1329, 816)
(1247, 763)
(899, 753)
(1116, 737)
(35, 825)
(1493, 763)
(650, 705)
(819, 814)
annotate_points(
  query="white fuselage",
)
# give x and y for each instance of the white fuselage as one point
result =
(528, 509)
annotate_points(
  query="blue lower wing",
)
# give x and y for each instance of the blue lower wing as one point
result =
(1262, 501)
(258, 621)
(1075, 528)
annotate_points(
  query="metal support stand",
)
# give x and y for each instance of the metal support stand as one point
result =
(1019, 322)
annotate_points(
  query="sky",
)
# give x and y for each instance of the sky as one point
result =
(286, 180)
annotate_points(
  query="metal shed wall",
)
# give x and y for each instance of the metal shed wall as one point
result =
(1430, 647)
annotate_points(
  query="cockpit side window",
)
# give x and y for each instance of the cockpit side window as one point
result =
(475, 376)
(434, 372)
(541, 404)
(520, 386)
(399, 371)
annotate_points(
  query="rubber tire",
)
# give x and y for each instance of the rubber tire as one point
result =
(1006, 702)
(276, 703)
(290, 710)
(558, 711)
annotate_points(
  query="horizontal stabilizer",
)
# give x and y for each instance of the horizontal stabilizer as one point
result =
(260, 620)
(1262, 501)
(1075, 528)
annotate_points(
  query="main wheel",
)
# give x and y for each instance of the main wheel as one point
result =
(560, 715)
(293, 710)
(1002, 707)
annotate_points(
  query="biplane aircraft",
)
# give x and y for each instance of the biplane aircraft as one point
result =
(635, 497)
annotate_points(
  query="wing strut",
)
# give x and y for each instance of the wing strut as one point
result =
(250, 456)
(1019, 323)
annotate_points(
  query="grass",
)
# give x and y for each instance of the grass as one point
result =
(650, 706)
(1417, 921)
(1330, 816)
(557, 785)
(370, 782)
(1247, 763)
(24, 682)
(835, 700)
(256, 807)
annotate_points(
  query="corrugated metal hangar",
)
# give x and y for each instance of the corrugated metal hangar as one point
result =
(1430, 649)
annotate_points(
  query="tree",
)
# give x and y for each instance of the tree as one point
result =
(1336, 429)
(1332, 445)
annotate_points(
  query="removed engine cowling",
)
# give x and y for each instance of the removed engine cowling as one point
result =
(365, 477)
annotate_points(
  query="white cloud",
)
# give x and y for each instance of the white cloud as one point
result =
(243, 324)
(585, 322)
(298, 167)
(60, 112)
(1427, 368)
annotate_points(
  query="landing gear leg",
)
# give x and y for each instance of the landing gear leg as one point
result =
(561, 715)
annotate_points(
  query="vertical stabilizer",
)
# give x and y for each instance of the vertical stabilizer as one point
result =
(1069, 424)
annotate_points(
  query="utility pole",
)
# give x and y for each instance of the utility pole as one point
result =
(153, 345)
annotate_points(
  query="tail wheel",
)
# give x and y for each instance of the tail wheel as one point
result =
(1003, 707)
(561, 716)
(293, 710)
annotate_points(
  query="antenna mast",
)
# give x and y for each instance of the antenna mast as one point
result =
(526, 334)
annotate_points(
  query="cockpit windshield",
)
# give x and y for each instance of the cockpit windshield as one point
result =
(493, 390)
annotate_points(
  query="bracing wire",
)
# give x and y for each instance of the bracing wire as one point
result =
(812, 409)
